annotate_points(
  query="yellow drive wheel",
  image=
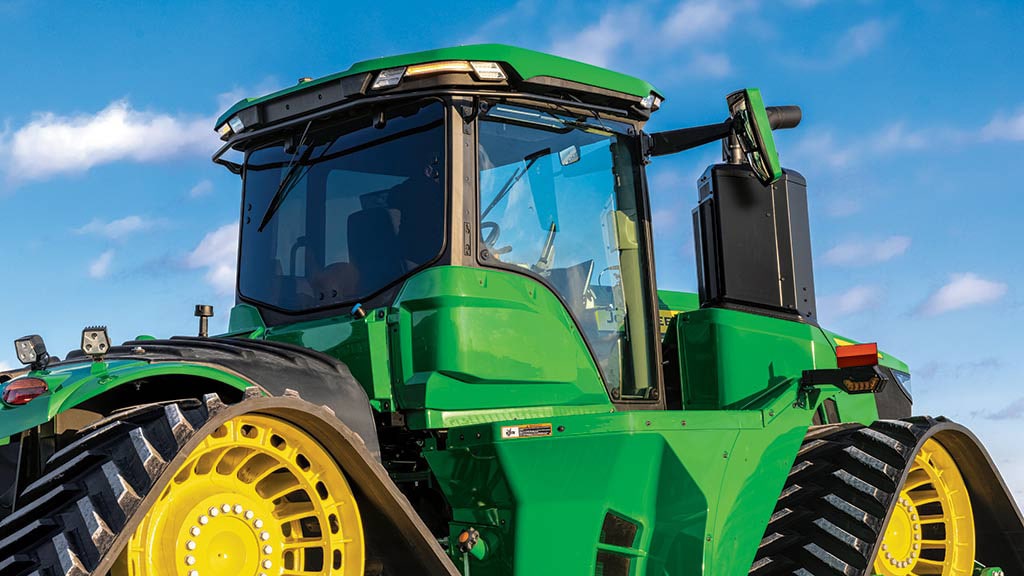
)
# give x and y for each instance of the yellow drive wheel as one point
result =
(258, 497)
(931, 530)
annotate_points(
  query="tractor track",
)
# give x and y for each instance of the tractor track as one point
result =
(67, 521)
(839, 496)
(77, 518)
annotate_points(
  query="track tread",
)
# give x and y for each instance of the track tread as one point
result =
(830, 514)
(66, 521)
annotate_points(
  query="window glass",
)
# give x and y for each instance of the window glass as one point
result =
(558, 201)
(344, 213)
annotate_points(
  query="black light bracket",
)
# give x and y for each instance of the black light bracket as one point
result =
(853, 379)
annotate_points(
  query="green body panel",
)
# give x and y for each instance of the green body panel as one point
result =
(730, 358)
(478, 339)
(671, 303)
(71, 384)
(527, 64)
(700, 485)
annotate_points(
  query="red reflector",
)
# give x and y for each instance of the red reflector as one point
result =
(857, 355)
(23, 390)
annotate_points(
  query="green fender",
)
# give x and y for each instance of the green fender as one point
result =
(71, 384)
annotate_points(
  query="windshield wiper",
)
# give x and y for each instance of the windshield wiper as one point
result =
(289, 180)
(515, 177)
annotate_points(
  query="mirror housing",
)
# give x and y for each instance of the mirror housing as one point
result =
(753, 130)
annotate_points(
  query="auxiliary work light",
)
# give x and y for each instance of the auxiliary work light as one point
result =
(22, 390)
(95, 342)
(31, 351)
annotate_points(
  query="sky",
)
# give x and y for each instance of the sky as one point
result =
(111, 212)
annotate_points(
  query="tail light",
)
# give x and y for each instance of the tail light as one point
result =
(23, 390)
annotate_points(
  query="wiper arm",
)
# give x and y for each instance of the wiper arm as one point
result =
(288, 182)
(514, 178)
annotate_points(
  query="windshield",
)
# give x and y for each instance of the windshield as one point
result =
(334, 215)
(558, 200)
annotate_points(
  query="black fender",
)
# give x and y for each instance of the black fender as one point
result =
(998, 523)
(275, 367)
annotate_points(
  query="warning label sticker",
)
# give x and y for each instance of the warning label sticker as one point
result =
(526, 431)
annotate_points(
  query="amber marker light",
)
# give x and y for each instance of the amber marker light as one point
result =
(21, 391)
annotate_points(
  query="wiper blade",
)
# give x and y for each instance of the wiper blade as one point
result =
(289, 180)
(513, 179)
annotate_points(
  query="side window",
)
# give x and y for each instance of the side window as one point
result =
(553, 204)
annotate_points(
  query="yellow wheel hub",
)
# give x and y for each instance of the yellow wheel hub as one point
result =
(931, 530)
(258, 497)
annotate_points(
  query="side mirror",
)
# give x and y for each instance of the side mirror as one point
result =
(753, 129)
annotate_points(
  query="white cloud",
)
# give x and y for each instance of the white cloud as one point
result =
(1011, 411)
(688, 22)
(228, 99)
(856, 299)
(897, 137)
(52, 144)
(596, 44)
(861, 252)
(861, 39)
(694, 20)
(844, 206)
(1005, 127)
(962, 291)
(218, 254)
(711, 64)
(856, 42)
(100, 267)
(116, 229)
(819, 147)
(4, 366)
(202, 188)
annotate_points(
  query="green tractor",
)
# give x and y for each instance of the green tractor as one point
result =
(449, 355)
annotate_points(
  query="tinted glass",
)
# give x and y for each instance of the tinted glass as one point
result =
(348, 212)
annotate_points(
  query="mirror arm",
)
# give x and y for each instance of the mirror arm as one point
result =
(673, 141)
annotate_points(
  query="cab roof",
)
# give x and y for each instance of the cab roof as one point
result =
(527, 64)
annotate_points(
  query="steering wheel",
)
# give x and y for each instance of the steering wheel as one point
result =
(491, 237)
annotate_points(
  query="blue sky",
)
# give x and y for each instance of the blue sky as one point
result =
(913, 127)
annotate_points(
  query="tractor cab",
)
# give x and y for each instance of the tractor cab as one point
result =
(501, 167)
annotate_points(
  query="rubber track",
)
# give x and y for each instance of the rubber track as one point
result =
(837, 498)
(67, 520)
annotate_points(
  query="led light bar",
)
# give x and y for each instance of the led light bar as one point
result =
(438, 68)
(482, 71)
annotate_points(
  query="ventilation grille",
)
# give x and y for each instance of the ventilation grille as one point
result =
(620, 533)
